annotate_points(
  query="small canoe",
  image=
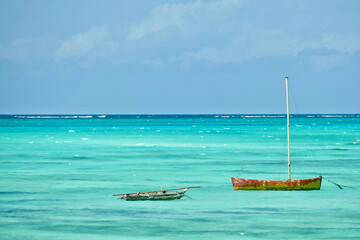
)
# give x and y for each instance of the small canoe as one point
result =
(168, 194)
(154, 196)
(287, 185)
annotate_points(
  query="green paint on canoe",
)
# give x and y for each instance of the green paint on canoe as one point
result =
(283, 187)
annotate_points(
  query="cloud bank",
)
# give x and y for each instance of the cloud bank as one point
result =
(212, 32)
(23, 49)
(254, 43)
(96, 41)
(181, 16)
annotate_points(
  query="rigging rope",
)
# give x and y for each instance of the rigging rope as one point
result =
(241, 170)
(340, 186)
(311, 150)
(307, 138)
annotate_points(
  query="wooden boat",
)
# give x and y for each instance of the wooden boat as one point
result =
(168, 194)
(287, 185)
(253, 184)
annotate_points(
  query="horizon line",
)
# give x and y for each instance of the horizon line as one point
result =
(83, 114)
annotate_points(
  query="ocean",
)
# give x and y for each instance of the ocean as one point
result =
(58, 174)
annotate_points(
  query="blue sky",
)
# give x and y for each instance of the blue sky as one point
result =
(171, 57)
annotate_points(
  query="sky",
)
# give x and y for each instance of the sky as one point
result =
(179, 57)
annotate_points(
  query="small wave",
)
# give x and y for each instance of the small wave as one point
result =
(52, 116)
(19, 192)
(30, 117)
(263, 116)
(332, 116)
(339, 149)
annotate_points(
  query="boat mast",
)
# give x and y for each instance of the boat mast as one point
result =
(288, 124)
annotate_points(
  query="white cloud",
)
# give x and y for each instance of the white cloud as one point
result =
(216, 32)
(180, 16)
(251, 43)
(24, 48)
(219, 32)
(344, 43)
(96, 41)
(323, 63)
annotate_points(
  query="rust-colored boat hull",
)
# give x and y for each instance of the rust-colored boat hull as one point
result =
(287, 185)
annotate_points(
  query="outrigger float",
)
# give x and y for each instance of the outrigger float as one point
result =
(163, 194)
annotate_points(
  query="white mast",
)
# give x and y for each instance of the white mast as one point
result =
(288, 124)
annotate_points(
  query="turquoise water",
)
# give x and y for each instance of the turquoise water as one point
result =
(58, 174)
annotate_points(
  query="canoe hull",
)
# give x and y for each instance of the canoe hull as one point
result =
(287, 185)
(154, 196)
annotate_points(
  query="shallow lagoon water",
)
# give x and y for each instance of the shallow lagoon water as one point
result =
(58, 174)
